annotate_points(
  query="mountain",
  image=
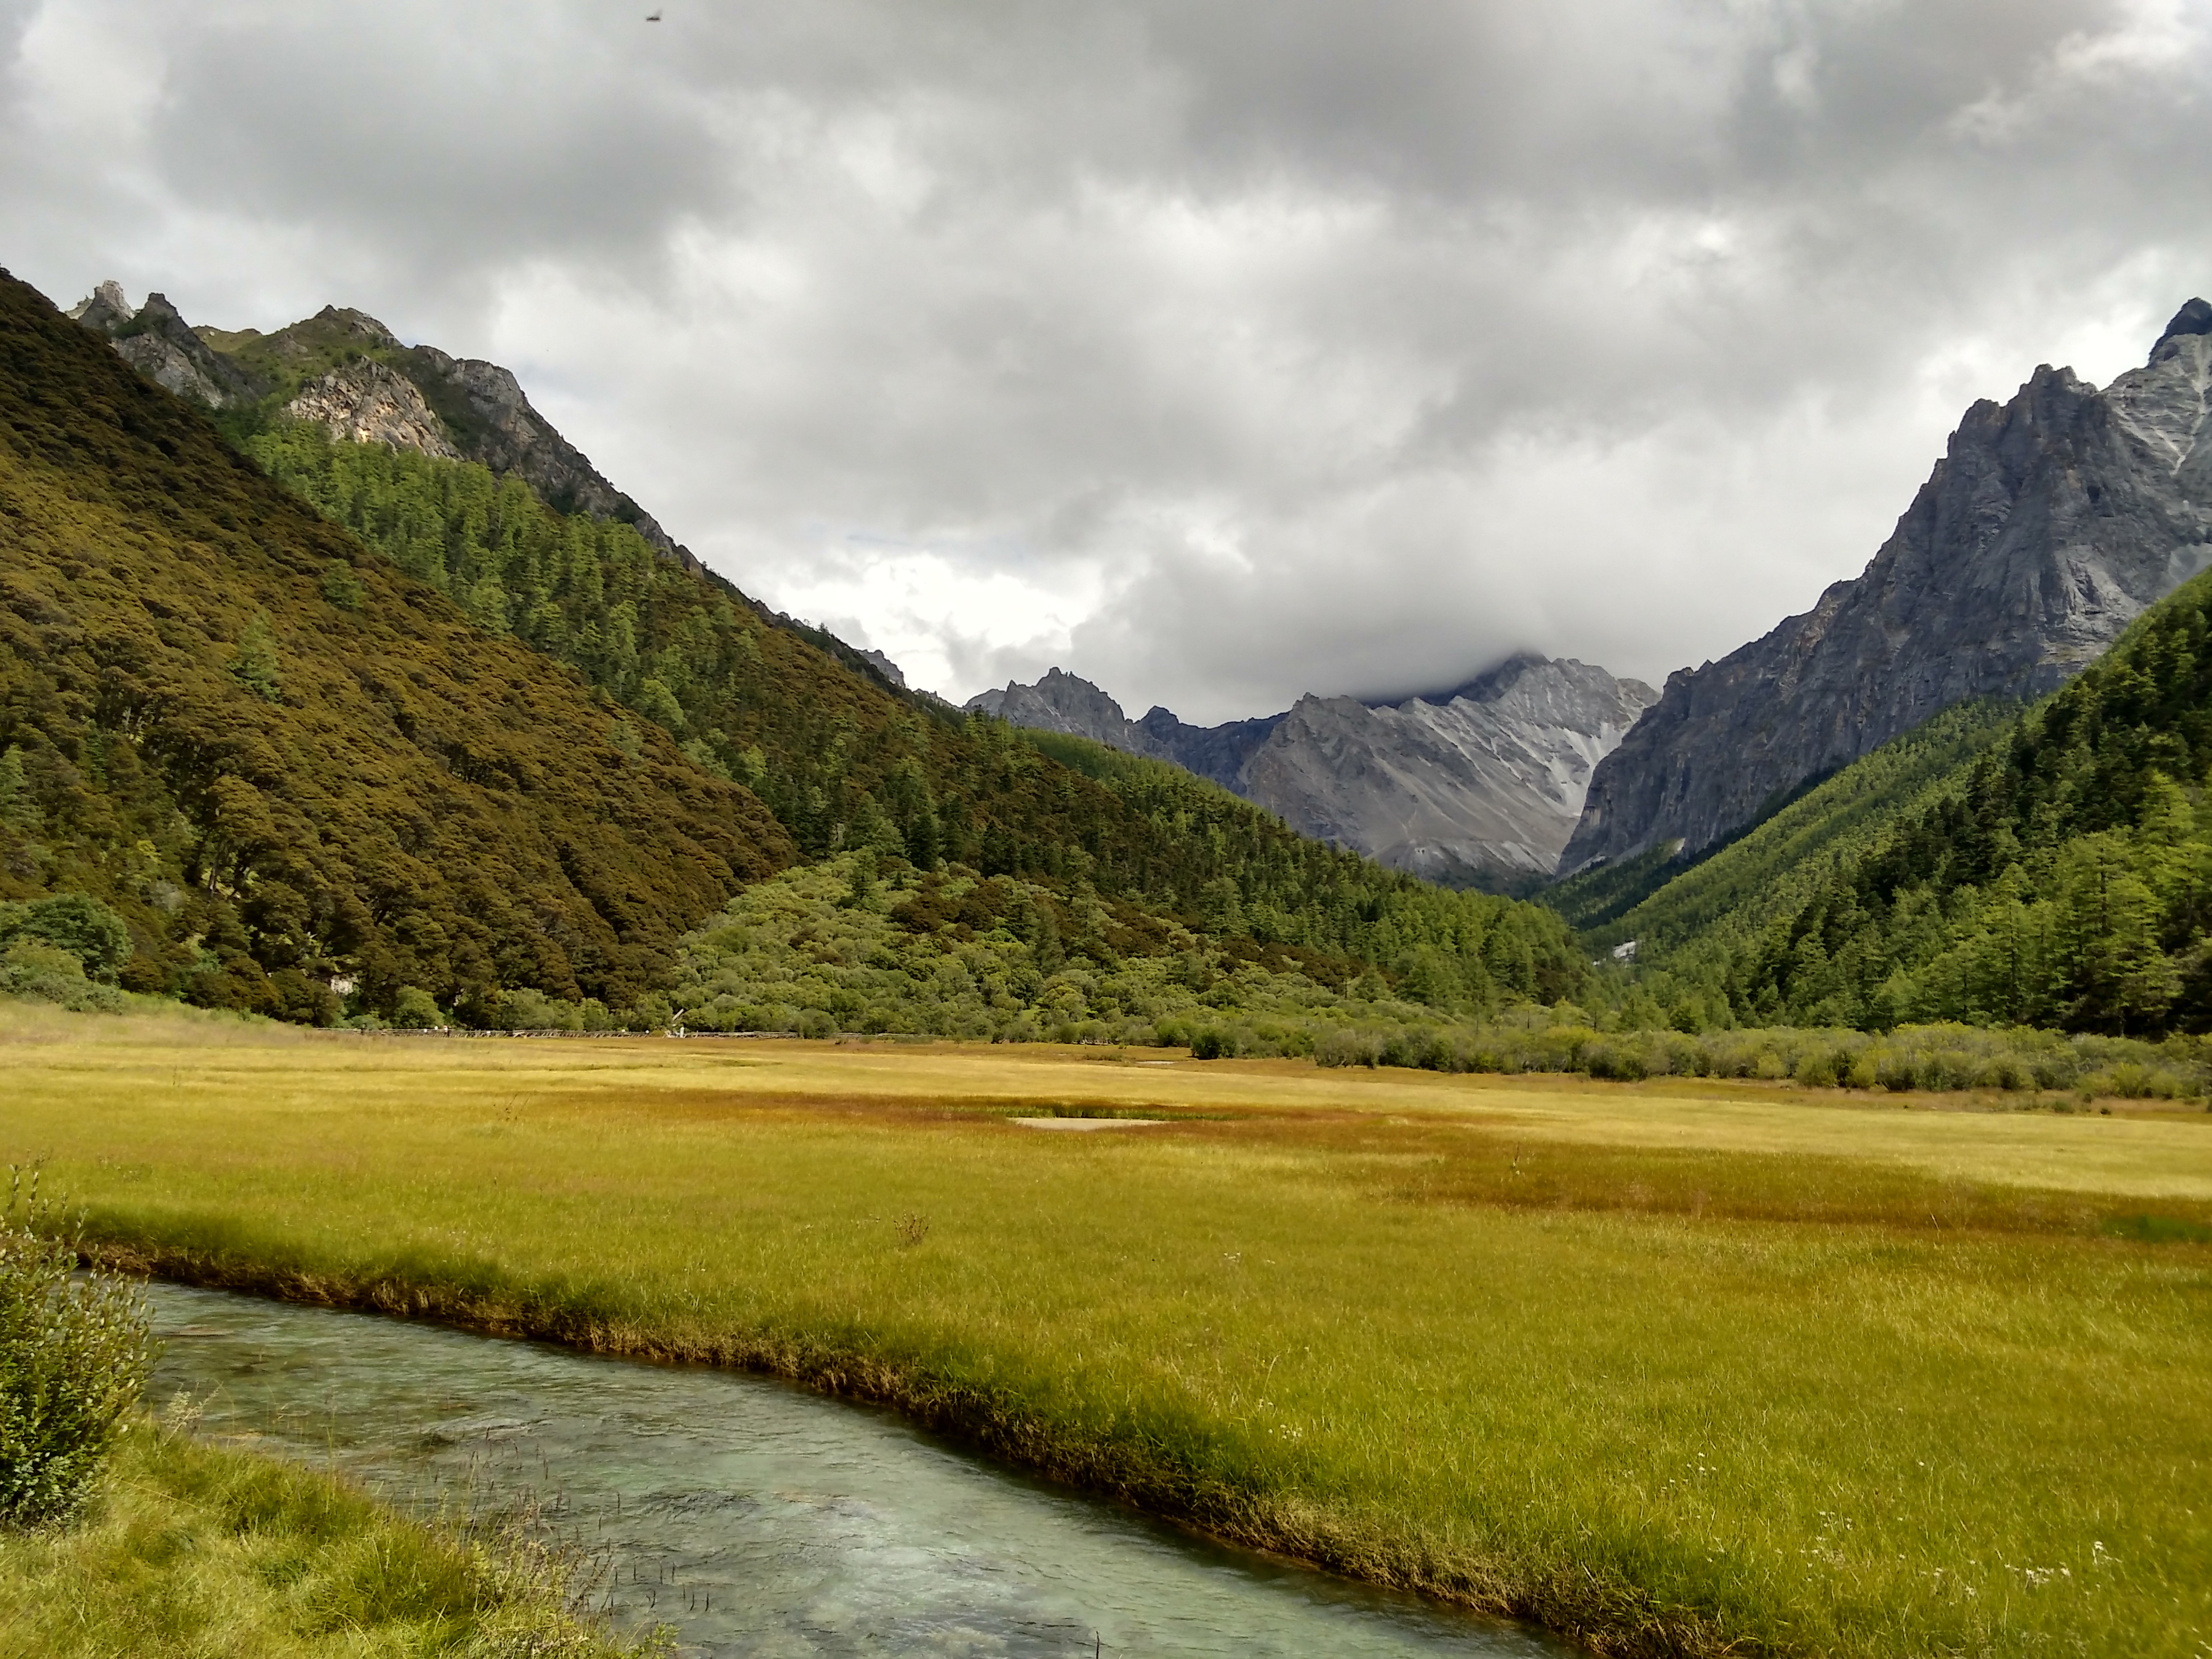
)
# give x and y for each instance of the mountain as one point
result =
(289, 766)
(1062, 702)
(1478, 786)
(347, 371)
(2049, 525)
(2053, 870)
(1733, 892)
(159, 344)
(342, 715)
(1475, 787)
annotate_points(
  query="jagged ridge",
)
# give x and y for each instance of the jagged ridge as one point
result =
(346, 370)
(2050, 524)
(1478, 785)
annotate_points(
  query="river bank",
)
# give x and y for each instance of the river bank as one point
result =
(190, 1548)
(742, 1516)
(1672, 1372)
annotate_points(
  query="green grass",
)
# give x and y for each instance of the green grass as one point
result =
(1685, 1367)
(196, 1550)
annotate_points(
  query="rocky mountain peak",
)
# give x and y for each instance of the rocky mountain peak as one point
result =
(157, 342)
(1061, 701)
(2195, 318)
(884, 666)
(1560, 691)
(1480, 784)
(2050, 524)
(105, 308)
(348, 371)
(158, 313)
(359, 324)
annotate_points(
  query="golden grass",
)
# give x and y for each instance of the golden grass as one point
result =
(195, 1551)
(1675, 1366)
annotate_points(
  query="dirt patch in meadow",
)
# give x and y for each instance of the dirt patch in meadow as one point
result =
(1493, 1160)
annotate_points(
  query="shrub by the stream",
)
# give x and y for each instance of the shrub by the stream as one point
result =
(75, 1353)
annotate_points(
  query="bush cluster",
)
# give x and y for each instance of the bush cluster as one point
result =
(66, 949)
(74, 1355)
(851, 944)
(1935, 1058)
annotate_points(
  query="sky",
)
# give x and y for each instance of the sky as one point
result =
(1217, 352)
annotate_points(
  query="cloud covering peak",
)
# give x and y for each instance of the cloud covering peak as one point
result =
(1219, 352)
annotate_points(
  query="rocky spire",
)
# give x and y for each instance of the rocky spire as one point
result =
(2195, 318)
(105, 309)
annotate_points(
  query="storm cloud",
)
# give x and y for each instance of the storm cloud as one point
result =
(1217, 352)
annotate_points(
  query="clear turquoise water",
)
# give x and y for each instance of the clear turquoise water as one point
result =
(757, 1519)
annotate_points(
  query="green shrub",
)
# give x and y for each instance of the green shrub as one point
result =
(74, 1357)
(529, 1010)
(1212, 1042)
(31, 968)
(95, 937)
(1948, 1057)
(1816, 1070)
(2131, 1080)
(414, 1009)
(1342, 1048)
(1897, 1073)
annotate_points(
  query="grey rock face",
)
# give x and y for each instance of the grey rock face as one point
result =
(159, 344)
(365, 402)
(105, 309)
(492, 421)
(884, 666)
(1486, 781)
(1061, 701)
(1218, 752)
(416, 397)
(1481, 783)
(2050, 524)
(165, 364)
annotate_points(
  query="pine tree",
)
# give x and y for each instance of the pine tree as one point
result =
(254, 662)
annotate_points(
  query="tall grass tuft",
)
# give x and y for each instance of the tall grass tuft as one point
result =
(75, 1354)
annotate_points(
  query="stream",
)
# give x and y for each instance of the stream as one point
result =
(754, 1518)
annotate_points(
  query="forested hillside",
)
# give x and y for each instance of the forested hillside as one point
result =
(286, 764)
(2057, 872)
(844, 764)
(651, 739)
(1663, 901)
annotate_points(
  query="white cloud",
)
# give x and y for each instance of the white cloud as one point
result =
(1218, 351)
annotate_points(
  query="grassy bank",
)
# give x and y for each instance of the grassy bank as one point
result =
(193, 1550)
(1681, 1367)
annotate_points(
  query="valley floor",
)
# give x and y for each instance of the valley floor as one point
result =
(1683, 1366)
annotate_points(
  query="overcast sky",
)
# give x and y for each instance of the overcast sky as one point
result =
(1217, 352)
